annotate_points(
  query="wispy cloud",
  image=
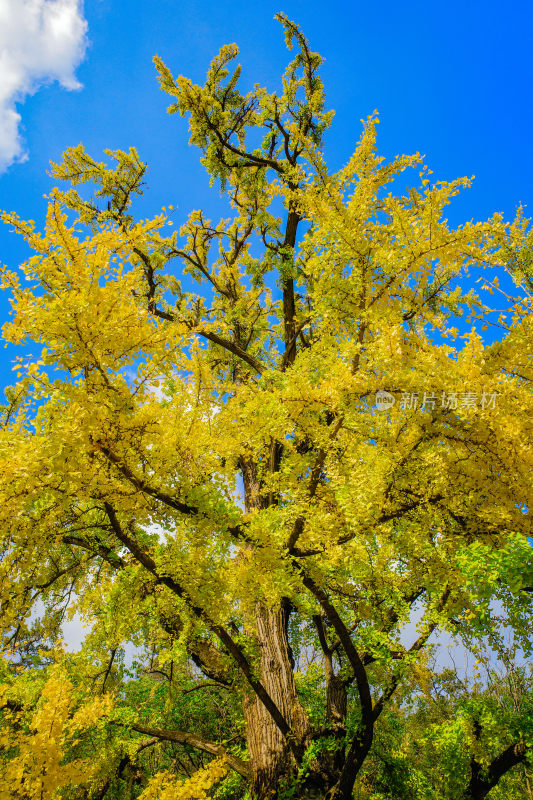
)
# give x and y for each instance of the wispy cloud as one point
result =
(41, 41)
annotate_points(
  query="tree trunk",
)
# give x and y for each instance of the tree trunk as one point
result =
(270, 756)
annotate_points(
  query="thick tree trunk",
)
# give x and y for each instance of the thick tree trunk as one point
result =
(270, 756)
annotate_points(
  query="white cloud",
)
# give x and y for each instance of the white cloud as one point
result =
(41, 41)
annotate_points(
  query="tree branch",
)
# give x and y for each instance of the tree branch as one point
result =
(231, 646)
(479, 787)
(191, 739)
(96, 549)
(158, 494)
(142, 486)
(363, 686)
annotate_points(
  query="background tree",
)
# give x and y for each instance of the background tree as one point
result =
(206, 475)
(443, 730)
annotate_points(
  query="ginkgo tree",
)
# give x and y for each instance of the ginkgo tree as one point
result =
(263, 480)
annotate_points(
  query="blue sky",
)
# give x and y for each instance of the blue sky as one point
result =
(452, 81)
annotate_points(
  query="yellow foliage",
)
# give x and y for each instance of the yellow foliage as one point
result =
(165, 786)
(37, 743)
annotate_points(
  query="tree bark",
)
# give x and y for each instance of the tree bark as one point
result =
(272, 760)
(270, 756)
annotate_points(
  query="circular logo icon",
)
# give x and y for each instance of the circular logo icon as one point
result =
(384, 400)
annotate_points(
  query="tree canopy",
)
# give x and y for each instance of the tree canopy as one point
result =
(263, 482)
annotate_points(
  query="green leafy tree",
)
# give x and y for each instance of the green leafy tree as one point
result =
(447, 739)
